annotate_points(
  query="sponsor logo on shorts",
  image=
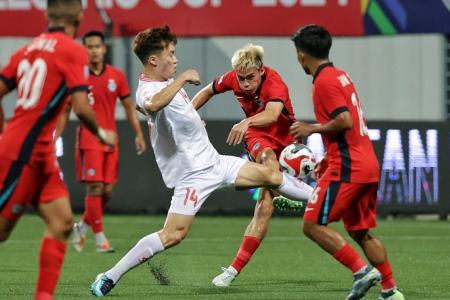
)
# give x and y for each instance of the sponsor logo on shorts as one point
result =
(91, 172)
(256, 146)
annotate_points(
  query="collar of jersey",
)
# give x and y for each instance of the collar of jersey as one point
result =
(320, 68)
(56, 29)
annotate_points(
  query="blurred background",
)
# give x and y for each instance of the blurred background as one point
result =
(396, 51)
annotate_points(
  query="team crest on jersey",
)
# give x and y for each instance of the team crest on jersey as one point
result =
(112, 86)
(91, 172)
(256, 146)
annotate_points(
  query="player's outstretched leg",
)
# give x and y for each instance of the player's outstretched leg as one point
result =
(175, 230)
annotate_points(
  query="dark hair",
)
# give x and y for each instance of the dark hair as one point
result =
(93, 33)
(314, 40)
(152, 40)
(64, 10)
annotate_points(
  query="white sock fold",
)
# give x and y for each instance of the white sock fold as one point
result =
(147, 247)
(294, 188)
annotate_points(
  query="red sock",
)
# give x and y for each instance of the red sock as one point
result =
(94, 212)
(50, 262)
(387, 278)
(248, 247)
(350, 258)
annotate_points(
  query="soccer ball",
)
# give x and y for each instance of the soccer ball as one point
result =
(297, 160)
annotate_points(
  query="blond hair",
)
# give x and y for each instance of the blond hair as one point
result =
(248, 57)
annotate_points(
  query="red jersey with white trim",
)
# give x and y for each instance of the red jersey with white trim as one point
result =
(350, 153)
(272, 88)
(44, 72)
(105, 89)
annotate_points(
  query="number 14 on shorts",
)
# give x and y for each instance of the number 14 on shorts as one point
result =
(191, 195)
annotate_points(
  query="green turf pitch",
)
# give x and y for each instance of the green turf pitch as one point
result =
(287, 265)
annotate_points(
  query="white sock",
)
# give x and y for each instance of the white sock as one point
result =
(83, 227)
(100, 238)
(294, 189)
(147, 247)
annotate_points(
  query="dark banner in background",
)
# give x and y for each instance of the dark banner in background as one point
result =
(414, 162)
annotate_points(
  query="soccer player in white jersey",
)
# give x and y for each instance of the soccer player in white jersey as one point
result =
(185, 156)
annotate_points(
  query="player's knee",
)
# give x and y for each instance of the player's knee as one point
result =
(273, 178)
(61, 228)
(360, 235)
(95, 189)
(267, 155)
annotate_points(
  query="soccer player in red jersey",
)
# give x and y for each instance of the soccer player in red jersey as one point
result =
(264, 98)
(44, 72)
(97, 165)
(348, 188)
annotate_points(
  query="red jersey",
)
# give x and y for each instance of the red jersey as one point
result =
(105, 89)
(350, 153)
(271, 89)
(44, 72)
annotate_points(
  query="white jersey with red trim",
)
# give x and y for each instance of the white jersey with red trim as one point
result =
(179, 138)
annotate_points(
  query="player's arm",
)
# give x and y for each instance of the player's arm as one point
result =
(265, 118)
(4, 89)
(62, 121)
(340, 122)
(86, 115)
(2, 118)
(203, 96)
(129, 106)
(165, 96)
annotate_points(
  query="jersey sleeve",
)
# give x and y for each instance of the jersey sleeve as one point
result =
(124, 89)
(332, 97)
(76, 70)
(9, 72)
(223, 83)
(144, 94)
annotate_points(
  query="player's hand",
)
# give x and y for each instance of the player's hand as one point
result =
(106, 137)
(191, 76)
(140, 144)
(299, 129)
(237, 133)
(320, 168)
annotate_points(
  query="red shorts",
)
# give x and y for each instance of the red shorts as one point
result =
(253, 146)
(38, 181)
(354, 203)
(96, 165)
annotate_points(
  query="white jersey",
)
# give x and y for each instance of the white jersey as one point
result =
(179, 138)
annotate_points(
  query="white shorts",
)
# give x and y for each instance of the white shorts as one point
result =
(193, 190)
